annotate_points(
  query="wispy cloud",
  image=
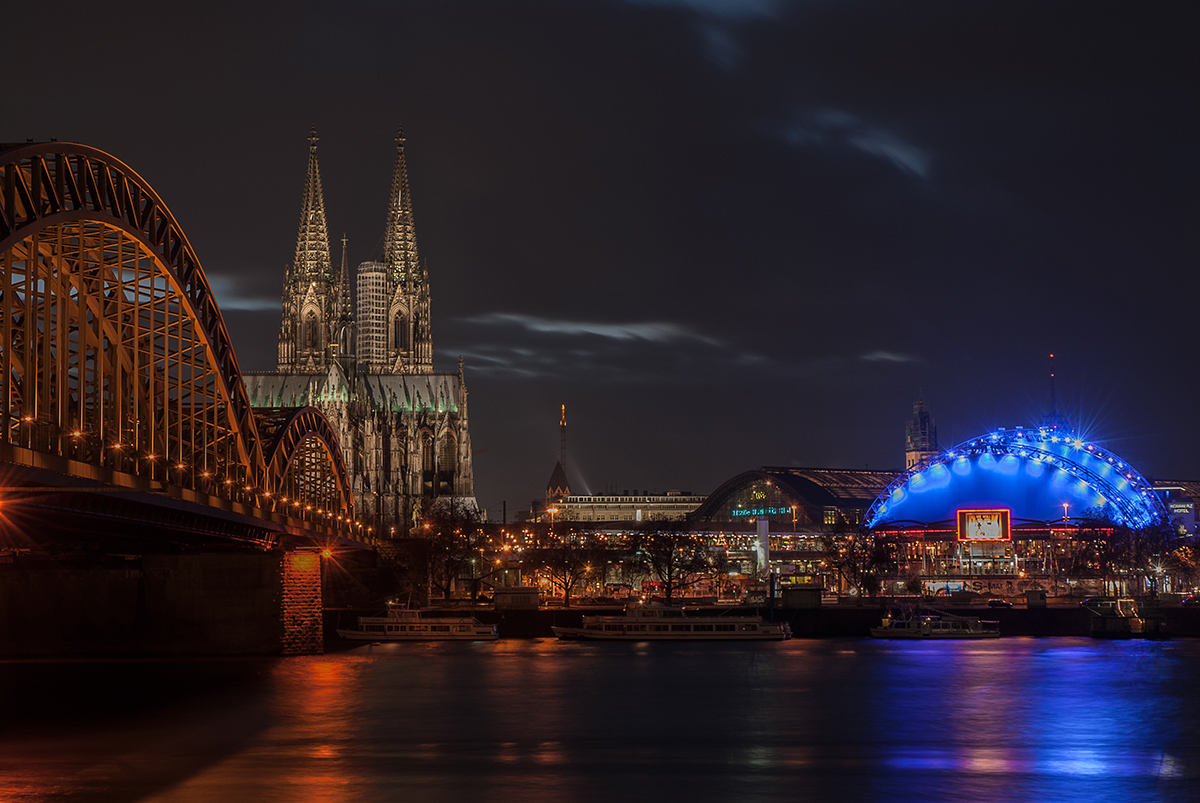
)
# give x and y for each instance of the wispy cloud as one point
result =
(888, 356)
(230, 297)
(652, 331)
(835, 127)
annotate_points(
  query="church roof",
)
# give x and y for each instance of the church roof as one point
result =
(395, 392)
(434, 392)
(558, 485)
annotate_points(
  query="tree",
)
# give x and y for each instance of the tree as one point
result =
(567, 560)
(455, 538)
(674, 558)
(860, 557)
(1120, 554)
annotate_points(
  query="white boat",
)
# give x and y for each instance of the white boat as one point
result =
(939, 626)
(674, 624)
(406, 625)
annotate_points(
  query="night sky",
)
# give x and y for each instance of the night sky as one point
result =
(725, 234)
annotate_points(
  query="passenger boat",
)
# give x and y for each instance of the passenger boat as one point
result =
(936, 626)
(674, 624)
(405, 625)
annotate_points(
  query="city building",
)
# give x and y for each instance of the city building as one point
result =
(920, 435)
(402, 426)
(673, 505)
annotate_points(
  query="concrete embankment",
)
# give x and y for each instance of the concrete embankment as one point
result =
(824, 622)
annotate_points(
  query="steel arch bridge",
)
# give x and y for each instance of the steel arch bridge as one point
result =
(115, 357)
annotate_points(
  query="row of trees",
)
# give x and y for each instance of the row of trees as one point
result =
(669, 555)
(1122, 557)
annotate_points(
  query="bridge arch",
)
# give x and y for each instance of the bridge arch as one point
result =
(305, 466)
(113, 351)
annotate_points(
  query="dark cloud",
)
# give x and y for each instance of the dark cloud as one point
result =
(723, 233)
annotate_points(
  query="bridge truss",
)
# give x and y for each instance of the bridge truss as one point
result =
(115, 356)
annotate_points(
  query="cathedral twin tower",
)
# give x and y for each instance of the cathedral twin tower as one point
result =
(388, 331)
(368, 365)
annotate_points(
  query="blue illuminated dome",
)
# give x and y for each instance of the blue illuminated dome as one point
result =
(1031, 472)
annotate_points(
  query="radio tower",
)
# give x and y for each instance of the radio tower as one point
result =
(562, 439)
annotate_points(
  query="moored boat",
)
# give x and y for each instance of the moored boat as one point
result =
(936, 626)
(405, 625)
(675, 624)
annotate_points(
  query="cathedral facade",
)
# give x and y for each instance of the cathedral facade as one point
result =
(367, 363)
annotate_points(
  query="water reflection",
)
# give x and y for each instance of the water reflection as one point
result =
(1017, 719)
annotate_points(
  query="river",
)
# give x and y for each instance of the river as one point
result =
(1017, 719)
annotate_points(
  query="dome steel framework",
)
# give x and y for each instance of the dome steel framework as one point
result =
(1037, 470)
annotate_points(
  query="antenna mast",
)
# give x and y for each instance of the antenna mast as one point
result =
(562, 435)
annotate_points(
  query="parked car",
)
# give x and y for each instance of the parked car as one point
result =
(999, 603)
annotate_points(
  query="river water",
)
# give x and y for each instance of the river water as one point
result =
(540, 720)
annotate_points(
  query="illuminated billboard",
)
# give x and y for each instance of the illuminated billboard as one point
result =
(984, 525)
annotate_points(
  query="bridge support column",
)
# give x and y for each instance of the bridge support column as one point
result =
(301, 607)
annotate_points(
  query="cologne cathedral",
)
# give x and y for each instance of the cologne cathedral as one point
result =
(368, 364)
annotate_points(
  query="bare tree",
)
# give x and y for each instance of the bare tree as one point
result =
(674, 558)
(455, 538)
(567, 559)
(860, 558)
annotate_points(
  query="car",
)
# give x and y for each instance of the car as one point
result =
(999, 603)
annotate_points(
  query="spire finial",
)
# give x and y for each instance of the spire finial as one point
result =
(312, 138)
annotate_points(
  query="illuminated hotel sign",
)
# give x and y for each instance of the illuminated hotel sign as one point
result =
(984, 525)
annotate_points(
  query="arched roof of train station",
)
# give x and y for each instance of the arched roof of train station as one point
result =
(812, 490)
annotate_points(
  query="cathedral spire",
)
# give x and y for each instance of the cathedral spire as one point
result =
(400, 238)
(343, 308)
(312, 261)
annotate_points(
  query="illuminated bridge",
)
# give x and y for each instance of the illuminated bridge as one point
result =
(124, 410)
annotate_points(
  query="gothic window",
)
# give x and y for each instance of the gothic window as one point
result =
(448, 459)
(400, 335)
(312, 339)
(428, 463)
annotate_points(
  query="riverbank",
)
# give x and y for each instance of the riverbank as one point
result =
(824, 622)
